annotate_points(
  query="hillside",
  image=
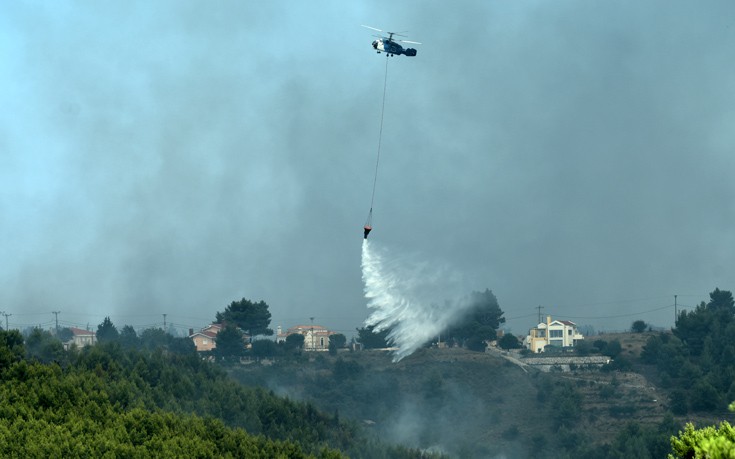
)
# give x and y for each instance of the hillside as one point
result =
(479, 404)
(111, 400)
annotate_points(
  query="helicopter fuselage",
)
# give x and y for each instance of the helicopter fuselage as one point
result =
(390, 47)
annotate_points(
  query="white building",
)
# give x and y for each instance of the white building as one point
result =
(557, 333)
(81, 338)
(316, 337)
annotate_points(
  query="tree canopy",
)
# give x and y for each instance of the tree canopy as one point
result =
(482, 320)
(253, 318)
(638, 326)
(107, 400)
(229, 342)
(370, 339)
(509, 341)
(697, 360)
(294, 341)
(336, 341)
(106, 331)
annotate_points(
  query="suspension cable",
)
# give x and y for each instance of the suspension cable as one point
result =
(380, 141)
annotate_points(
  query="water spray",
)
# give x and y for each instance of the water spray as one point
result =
(407, 297)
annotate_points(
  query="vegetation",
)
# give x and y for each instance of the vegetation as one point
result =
(153, 395)
(708, 442)
(480, 324)
(697, 360)
(509, 341)
(638, 326)
(336, 341)
(370, 339)
(123, 399)
(229, 342)
(294, 341)
(251, 317)
(106, 331)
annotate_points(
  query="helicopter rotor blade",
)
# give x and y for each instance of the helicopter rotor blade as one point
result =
(412, 42)
(368, 27)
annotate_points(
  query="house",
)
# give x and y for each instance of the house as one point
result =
(206, 338)
(557, 333)
(316, 337)
(81, 338)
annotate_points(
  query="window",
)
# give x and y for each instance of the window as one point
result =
(204, 341)
(556, 333)
(569, 332)
(540, 333)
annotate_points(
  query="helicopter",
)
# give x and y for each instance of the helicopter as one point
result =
(390, 46)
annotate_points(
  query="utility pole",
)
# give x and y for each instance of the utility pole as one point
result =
(676, 313)
(6, 319)
(164, 322)
(56, 316)
(313, 342)
(539, 307)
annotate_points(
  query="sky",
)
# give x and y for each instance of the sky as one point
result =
(170, 157)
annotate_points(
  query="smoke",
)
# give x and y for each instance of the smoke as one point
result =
(404, 294)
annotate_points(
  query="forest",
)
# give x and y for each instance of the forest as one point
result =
(133, 399)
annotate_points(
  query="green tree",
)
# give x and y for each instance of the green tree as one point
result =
(474, 343)
(251, 317)
(11, 347)
(708, 442)
(264, 348)
(638, 326)
(44, 346)
(129, 337)
(483, 318)
(370, 339)
(294, 341)
(509, 341)
(336, 341)
(154, 338)
(65, 334)
(229, 342)
(106, 331)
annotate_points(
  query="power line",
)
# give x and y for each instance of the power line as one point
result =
(618, 315)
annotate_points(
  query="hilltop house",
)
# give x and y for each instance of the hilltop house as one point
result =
(206, 338)
(557, 333)
(316, 337)
(81, 338)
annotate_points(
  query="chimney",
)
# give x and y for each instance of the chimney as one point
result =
(191, 331)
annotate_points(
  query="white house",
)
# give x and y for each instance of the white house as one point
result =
(316, 337)
(81, 338)
(558, 333)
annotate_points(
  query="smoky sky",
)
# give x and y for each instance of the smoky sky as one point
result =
(171, 157)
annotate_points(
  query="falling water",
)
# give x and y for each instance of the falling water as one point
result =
(407, 297)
